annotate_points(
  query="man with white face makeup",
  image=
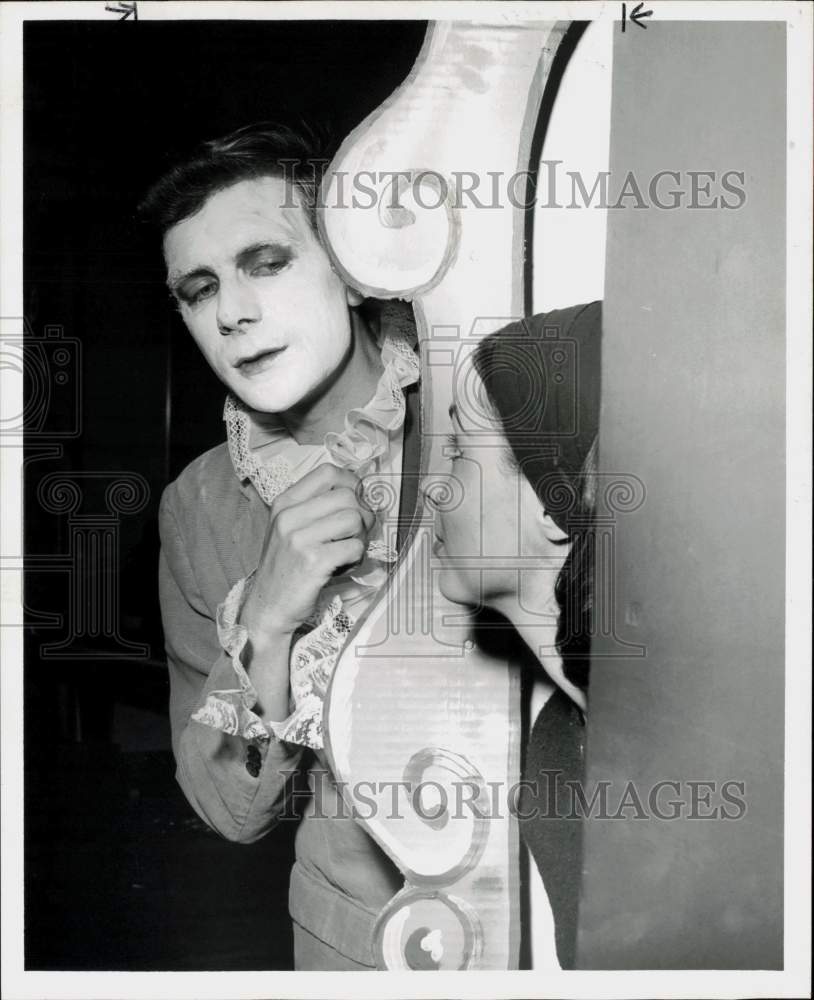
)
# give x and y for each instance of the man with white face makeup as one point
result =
(269, 554)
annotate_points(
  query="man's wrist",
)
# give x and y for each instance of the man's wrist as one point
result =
(264, 641)
(265, 631)
(266, 661)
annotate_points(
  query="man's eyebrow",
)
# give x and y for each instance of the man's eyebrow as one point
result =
(283, 249)
(174, 279)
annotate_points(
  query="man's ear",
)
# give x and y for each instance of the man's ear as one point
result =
(552, 531)
(354, 298)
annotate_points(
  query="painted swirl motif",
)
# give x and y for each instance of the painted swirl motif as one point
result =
(424, 927)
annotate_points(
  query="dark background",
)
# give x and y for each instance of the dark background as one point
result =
(120, 873)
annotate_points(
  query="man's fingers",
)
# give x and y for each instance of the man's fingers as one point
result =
(308, 512)
(345, 553)
(347, 523)
(320, 480)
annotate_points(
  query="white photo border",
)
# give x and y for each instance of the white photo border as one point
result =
(794, 980)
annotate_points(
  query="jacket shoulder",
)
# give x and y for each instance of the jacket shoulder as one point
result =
(208, 482)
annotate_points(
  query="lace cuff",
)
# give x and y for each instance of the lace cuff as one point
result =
(313, 660)
(230, 709)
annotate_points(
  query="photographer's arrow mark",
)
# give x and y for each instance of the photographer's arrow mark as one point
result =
(635, 15)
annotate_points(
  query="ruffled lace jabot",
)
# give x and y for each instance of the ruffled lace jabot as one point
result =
(264, 453)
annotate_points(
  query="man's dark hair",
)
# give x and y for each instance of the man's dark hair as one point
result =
(263, 149)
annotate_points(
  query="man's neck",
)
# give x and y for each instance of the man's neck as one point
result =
(351, 386)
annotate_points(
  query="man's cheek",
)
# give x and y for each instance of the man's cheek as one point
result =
(211, 354)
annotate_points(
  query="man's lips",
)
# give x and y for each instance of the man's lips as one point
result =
(259, 362)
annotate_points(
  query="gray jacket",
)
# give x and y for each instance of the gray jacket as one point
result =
(212, 527)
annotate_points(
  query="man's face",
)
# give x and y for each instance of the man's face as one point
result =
(257, 292)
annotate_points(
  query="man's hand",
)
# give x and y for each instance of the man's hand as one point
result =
(315, 527)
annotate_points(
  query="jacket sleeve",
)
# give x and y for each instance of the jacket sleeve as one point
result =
(218, 772)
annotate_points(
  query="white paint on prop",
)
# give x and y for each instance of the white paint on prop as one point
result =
(423, 849)
(541, 936)
(569, 243)
(431, 799)
(392, 951)
(433, 944)
(569, 267)
(341, 712)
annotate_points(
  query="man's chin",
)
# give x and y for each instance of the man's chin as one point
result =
(273, 395)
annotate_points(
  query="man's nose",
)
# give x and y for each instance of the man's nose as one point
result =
(238, 306)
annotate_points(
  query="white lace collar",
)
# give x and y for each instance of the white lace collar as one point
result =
(263, 452)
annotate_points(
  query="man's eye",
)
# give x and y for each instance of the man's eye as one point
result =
(197, 293)
(267, 267)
